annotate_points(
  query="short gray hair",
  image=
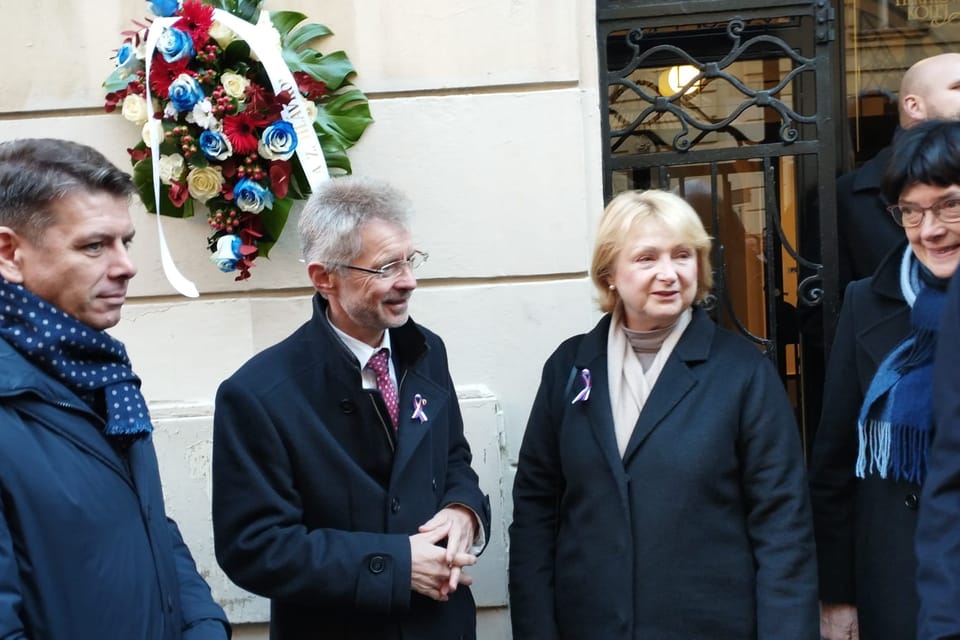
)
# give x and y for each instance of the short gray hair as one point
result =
(333, 216)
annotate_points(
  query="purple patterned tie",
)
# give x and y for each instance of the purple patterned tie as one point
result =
(378, 363)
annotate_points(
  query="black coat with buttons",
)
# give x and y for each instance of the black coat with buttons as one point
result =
(702, 529)
(315, 496)
(865, 527)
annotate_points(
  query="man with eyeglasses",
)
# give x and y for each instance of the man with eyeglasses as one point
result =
(342, 486)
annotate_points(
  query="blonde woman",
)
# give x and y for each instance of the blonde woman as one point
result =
(660, 491)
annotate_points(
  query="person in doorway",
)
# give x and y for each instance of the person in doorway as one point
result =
(929, 90)
(660, 488)
(869, 455)
(86, 549)
(342, 486)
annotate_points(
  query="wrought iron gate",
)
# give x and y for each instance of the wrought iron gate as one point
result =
(732, 105)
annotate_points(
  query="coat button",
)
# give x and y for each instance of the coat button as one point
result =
(910, 502)
(433, 483)
(347, 406)
(395, 505)
(376, 564)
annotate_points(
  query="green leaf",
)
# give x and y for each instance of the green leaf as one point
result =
(118, 80)
(273, 221)
(285, 21)
(332, 69)
(306, 34)
(345, 117)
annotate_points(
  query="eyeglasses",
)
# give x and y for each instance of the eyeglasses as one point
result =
(911, 215)
(391, 269)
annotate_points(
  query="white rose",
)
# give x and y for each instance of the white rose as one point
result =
(223, 35)
(205, 182)
(146, 134)
(171, 168)
(234, 84)
(134, 108)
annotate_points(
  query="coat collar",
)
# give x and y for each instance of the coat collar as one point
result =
(409, 346)
(869, 176)
(675, 381)
(46, 400)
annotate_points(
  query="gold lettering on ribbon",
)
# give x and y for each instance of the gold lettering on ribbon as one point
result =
(933, 12)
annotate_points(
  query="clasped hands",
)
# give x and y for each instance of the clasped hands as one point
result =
(437, 571)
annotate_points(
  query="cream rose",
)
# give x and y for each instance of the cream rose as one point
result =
(234, 84)
(205, 182)
(171, 168)
(134, 108)
(223, 35)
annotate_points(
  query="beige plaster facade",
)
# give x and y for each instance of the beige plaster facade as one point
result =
(486, 115)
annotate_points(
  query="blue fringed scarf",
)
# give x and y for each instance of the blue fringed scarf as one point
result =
(79, 357)
(896, 418)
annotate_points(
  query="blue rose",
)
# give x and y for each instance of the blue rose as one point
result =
(164, 8)
(278, 141)
(185, 92)
(175, 44)
(127, 61)
(227, 253)
(251, 197)
(215, 145)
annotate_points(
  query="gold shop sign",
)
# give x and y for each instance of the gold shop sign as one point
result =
(935, 12)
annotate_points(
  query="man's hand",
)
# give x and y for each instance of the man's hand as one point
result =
(462, 530)
(431, 571)
(839, 621)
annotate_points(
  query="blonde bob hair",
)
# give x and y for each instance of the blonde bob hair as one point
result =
(632, 208)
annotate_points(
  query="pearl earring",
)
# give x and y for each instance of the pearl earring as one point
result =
(611, 287)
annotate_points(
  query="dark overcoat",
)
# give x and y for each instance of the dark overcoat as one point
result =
(865, 527)
(866, 231)
(315, 498)
(938, 528)
(86, 548)
(701, 530)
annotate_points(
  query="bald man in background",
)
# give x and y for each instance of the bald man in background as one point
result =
(929, 90)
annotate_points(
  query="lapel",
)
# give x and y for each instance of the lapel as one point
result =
(592, 355)
(675, 381)
(888, 322)
(410, 431)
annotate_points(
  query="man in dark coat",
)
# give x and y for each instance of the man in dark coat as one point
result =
(342, 486)
(937, 542)
(929, 90)
(86, 549)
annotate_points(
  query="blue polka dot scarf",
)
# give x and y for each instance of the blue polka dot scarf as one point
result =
(83, 359)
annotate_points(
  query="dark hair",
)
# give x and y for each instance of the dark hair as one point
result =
(34, 172)
(926, 153)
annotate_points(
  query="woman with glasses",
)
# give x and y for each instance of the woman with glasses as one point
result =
(869, 455)
(660, 488)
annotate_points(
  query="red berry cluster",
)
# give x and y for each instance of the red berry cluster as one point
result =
(223, 219)
(222, 104)
(251, 168)
(188, 144)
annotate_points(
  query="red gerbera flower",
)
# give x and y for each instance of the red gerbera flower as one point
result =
(241, 129)
(162, 73)
(195, 19)
(310, 87)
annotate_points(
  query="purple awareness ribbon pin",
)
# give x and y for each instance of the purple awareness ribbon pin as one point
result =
(419, 402)
(584, 394)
